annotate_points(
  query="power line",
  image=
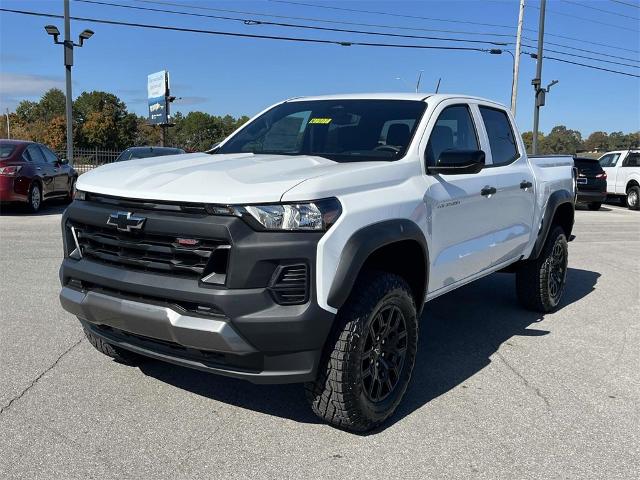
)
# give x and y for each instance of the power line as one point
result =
(584, 50)
(248, 35)
(250, 21)
(415, 17)
(533, 55)
(284, 38)
(566, 37)
(586, 57)
(571, 15)
(319, 20)
(601, 10)
(626, 3)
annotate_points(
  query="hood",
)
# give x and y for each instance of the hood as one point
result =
(199, 177)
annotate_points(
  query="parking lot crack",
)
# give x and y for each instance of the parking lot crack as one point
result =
(524, 380)
(17, 397)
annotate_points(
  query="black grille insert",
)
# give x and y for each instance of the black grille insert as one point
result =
(145, 251)
(290, 284)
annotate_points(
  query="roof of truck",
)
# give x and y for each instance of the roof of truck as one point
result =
(389, 96)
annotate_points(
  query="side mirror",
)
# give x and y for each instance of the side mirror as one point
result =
(63, 161)
(458, 162)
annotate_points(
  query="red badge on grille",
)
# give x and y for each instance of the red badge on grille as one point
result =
(187, 242)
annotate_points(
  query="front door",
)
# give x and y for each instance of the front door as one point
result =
(609, 164)
(460, 206)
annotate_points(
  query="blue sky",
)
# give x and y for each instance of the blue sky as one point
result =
(238, 76)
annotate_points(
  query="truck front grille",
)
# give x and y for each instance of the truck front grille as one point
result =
(149, 252)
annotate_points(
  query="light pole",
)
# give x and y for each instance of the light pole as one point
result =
(68, 63)
(514, 81)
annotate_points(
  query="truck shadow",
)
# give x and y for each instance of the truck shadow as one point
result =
(459, 332)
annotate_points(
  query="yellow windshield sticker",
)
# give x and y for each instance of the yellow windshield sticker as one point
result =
(321, 121)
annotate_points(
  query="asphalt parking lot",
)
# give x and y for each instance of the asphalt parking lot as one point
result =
(497, 392)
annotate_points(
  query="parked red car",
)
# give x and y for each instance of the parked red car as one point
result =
(31, 173)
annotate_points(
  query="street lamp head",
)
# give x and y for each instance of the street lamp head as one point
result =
(53, 31)
(85, 35)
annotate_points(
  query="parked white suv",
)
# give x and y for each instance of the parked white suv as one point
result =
(305, 247)
(623, 175)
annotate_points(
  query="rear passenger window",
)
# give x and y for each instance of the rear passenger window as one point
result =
(503, 144)
(454, 130)
(35, 154)
(633, 160)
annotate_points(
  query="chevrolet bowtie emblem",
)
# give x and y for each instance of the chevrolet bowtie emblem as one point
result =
(125, 221)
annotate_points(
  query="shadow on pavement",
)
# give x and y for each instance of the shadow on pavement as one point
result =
(49, 207)
(458, 334)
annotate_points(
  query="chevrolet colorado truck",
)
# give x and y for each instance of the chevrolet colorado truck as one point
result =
(304, 248)
(623, 175)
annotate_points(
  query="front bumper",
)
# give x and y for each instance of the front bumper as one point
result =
(246, 334)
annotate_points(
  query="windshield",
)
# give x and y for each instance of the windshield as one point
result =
(6, 150)
(340, 130)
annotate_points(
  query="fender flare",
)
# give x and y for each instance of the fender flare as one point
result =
(556, 199)
(362, 244)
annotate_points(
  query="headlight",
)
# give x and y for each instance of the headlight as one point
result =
(79, 194)
(318, 215)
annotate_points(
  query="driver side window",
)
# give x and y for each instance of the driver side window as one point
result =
(454, 130)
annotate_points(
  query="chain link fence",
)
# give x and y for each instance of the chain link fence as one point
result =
(85, 159)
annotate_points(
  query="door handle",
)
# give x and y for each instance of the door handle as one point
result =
(38, 168)
(525, 184)
(486, 191)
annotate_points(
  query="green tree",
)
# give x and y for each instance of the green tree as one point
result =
(527, 138)
(562, 140)
(52, 104)
(597, 141)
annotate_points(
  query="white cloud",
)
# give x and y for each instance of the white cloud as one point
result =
(16, 84)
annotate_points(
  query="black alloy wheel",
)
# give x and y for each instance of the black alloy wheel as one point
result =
(384, 352)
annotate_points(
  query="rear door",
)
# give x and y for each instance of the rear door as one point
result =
(514, 203)
(462, 217)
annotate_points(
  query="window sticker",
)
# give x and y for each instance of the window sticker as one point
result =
(320, 121)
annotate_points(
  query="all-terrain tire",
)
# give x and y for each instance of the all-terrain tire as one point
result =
(633, 198)
(594, 206)
(118, 354)
(540, 283)
(342, 393)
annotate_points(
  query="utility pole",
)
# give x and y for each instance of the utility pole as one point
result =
(8, 130)
(539, 95)
(68, 63)
(68, 45)
(516, 63)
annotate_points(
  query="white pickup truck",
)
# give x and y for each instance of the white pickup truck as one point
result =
(623, 175)
(304, 248)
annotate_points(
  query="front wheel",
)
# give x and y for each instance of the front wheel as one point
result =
(540, 283)
(633, 198)
(369, 357)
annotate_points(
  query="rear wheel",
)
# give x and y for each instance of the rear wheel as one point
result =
(633, 198)
(35, 198)
(540, 283)
(118, 354)
(594, 205)
(369, 357)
